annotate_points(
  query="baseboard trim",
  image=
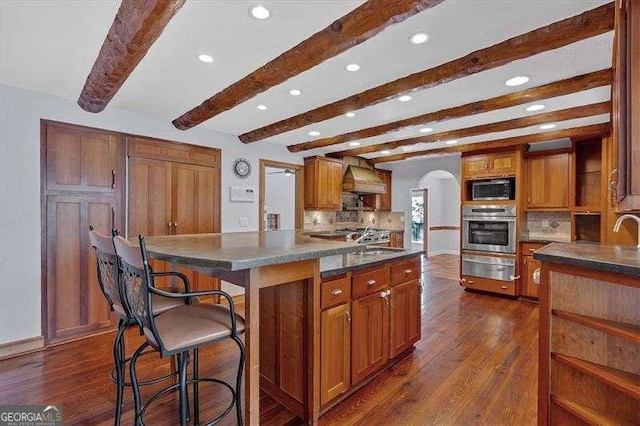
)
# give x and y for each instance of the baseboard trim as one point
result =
(21, 347)
(439, 252)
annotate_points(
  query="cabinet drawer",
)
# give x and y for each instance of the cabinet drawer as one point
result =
(370, 281)
(486, 284)
(528, 248)
(404, 271)
(335, 292)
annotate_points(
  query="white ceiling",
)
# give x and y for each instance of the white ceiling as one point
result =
(50, 46)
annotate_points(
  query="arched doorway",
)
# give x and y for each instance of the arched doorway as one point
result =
(439, 194)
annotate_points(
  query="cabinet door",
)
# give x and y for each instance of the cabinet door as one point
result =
(405, 316)
(149, 197)
(75, 304)
(335, 352)
(81, 160)
(476, 165)
(548, 181)
(196, 209)
(369, 335)
(528, 287)
(383, 201)
(503, 164)
(335, 185)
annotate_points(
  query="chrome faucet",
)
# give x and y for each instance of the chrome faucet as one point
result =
(616, 227)
(357, 240)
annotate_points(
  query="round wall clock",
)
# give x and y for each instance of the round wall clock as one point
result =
(242, 168)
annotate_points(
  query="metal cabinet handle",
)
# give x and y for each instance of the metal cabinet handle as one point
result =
(420, 288)
(113, 178)
(470, 281)
(169, 226)
(532, 250)
(175, 225)
(504, 287)
(336, 292)
(513, 278)
(408, 271)
(371, 282)
(348, 314)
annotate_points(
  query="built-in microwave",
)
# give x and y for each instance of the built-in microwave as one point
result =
(493, 189)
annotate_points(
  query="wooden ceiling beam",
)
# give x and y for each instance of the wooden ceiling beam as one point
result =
(352, 29)
(588, 24)
(483, 129)
(575, 132)
(551, 90)
(136, 26)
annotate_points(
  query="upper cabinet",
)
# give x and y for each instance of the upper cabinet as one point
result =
(489, 165)
(381, 202)
(322, 183)
(624, 172)
(547, 181)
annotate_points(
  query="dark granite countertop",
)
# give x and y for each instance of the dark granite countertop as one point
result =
(342, 263)
(243, 250)
(618, 259)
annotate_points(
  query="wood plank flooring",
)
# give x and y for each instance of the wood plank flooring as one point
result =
(476, 364)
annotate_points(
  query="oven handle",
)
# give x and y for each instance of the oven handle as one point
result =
(504, 262)
(489, 218)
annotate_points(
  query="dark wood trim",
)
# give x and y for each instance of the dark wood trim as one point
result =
(500, 126)
(593, 130)
(299, 188)
(354, 28)
(444, 228)
(44, 309)
(558, 88)
(136, 26)
(567, 31)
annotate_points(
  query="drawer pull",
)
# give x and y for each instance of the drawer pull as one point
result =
(470, 281)
(371, 282)
(504, 287)
(536, 276)
(336, 292)
(408, 271)
(532, 250)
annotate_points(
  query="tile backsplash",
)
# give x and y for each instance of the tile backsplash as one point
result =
(554, 225)
(317, 220)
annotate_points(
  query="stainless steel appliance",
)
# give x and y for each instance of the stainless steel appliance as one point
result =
(493, 189)
(489, 228)
(493, 267)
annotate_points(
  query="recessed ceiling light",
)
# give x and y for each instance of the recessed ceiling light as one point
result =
(353, 67)
(205, 58)
(404, 98)
(451, 142)
(536, 107)
(425, 130)
(261, 107)
(547, 126)
(419, 38)
(314, 133)
(350, 114)
(259, 12)
(517, 81)
(354, 143)
(294, 92)
(385, 152)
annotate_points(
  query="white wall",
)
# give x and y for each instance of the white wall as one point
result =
(444, 210)
(280, 196)
(20, 114)
(407, 175)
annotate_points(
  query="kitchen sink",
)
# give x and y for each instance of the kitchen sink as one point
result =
(376, 251)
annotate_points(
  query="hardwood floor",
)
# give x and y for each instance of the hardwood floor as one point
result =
(476, 364)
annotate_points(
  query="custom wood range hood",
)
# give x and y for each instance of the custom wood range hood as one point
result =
(361, 180)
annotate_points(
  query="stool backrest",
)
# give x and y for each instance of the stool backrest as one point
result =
(107, 269)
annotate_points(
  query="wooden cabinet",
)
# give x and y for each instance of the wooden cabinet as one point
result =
(82, 185)
(335, 352)
(528, 268)
(486, 284)
(397, 239)
(547, 181)
(369, 335)
(167, 196)
(589, 371)
(489, 165)
(624, 170)
(380, 202)
(405, 306)
(322, 183)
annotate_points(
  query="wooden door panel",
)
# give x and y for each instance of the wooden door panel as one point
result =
(75, 304)
(149, 197)
(405, 316)
(334, 352)
(369, 336)
(81, 160)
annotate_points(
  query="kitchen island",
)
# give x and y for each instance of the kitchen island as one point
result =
(589, 363)
(281, 274)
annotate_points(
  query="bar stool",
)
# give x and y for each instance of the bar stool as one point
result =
(110, 285)
(177, 331)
